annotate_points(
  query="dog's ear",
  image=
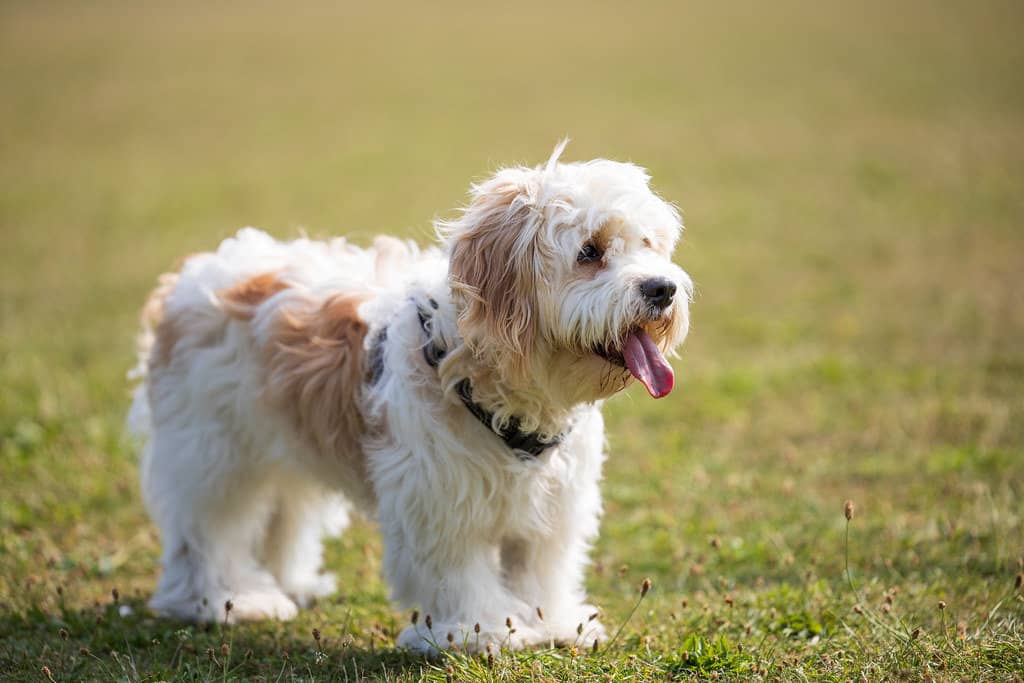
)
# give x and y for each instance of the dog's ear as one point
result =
(493, 268)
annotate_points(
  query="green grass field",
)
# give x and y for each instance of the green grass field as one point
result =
(852, 179)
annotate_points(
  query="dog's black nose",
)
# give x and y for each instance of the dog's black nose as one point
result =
(658, 291)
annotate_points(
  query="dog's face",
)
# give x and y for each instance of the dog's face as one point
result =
(564, 275)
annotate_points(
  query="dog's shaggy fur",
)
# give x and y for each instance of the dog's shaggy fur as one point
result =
(287, 383)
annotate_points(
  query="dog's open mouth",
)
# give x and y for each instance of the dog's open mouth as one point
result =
(644, 360)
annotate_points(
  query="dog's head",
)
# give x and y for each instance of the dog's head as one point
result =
(564, 272)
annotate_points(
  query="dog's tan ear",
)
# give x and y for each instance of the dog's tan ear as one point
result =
(493, 269)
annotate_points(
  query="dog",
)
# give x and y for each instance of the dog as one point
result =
(452, 393)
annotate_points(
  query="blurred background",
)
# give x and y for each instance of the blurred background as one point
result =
(850, 176)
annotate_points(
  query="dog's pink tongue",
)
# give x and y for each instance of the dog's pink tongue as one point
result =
(644, 360)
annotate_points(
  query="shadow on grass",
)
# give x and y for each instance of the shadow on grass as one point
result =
(122, 641)
(125, 641)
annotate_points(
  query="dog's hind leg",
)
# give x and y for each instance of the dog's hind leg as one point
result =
(177, 594)
(213, 506)
(233, 570)
(293, 548)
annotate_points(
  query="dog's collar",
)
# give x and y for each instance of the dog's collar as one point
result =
(525, 445)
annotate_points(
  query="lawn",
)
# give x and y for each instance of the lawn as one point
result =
(852, 179)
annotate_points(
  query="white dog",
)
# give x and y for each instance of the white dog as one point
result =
(452, 394)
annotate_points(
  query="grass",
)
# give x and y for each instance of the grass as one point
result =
(851, 178)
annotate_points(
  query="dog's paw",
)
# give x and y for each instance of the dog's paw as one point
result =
(319, 586)
(444, 636)
(260, 605)
(578, 627)
(593, 631)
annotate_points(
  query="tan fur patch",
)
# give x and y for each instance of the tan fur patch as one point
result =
(314, 366)
(492, 268)
(241, 300)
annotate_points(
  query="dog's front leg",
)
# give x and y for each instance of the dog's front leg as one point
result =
(438, 556)
(547, 572)
(544, 564)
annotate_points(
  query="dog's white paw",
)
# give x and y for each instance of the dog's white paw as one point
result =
(259, 605)
(592, 630)
(418, 638)
(319, 586)
(577, 627)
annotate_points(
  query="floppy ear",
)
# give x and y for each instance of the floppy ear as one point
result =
(493, 269)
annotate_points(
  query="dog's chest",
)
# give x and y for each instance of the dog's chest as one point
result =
(531, 502)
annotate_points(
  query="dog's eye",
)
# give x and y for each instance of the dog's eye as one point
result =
(589, 253)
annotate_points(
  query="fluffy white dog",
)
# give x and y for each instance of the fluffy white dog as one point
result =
(452, 394)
